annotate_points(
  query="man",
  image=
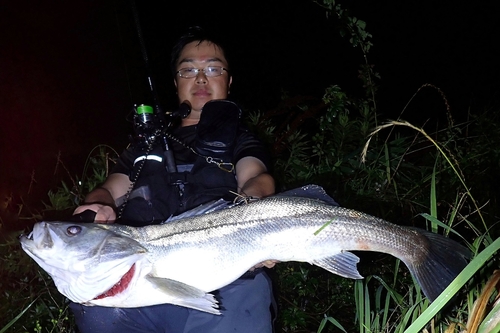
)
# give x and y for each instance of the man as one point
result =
(210, 164)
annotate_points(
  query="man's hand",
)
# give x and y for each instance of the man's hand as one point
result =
(104, 213)
(267, 263)
(101, 200)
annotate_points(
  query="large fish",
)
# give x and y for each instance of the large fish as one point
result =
(182, 261)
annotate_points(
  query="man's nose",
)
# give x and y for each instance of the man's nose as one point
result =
(201, 78)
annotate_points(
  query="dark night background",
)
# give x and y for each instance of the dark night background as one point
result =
(70, 71)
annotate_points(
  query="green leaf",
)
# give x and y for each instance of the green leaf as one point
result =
(13, 321)
(491, 323)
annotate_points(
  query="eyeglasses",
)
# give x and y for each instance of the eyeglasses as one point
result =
(210, 71)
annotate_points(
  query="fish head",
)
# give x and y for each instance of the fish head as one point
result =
(84, 259)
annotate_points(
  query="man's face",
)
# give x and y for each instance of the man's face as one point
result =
(201, 89)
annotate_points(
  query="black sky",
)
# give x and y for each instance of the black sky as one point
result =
(71, 71)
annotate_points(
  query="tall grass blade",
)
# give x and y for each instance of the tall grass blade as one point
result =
(491, 323)
(13, 321)
(435, 221)
(331, 320)
(478, 317)
(433, 202)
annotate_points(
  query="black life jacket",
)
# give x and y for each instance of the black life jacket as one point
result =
(159, 194)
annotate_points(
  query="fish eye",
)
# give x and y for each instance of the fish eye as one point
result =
(73, 230)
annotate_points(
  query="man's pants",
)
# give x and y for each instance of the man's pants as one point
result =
(245, 305)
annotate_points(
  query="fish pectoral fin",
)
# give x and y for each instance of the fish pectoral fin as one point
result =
(343, 264)
(185, 295)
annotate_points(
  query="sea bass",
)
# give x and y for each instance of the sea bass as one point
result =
(182, 261)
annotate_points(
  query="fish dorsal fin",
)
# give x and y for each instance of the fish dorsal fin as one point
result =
(310, 191)
(186, 295)
(205, 208)
(307, 191)
(343, 264)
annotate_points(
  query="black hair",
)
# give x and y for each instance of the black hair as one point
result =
(195, 33)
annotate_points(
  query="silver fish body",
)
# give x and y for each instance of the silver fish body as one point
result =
(180, 262)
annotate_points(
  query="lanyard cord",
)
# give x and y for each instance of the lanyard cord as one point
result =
(136, 176)
(224, 166)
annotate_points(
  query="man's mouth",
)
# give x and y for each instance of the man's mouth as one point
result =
(201, 93)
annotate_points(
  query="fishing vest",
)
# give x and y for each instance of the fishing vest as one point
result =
(207, 175)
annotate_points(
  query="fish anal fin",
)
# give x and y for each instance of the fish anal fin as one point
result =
(343, 264)
(186, 295)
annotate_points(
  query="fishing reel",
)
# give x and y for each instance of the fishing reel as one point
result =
(146, 126)
(151, 127)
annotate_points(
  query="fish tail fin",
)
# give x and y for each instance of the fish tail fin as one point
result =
(444, 260)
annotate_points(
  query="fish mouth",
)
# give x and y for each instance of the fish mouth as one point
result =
(26, 237)
(39, 237)
(120, 286)
(29, 241)
(23, 238)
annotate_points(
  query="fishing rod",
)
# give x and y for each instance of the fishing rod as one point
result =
(145, 56)
(150, 123)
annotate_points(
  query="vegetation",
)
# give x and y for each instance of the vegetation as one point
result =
(442, 179)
